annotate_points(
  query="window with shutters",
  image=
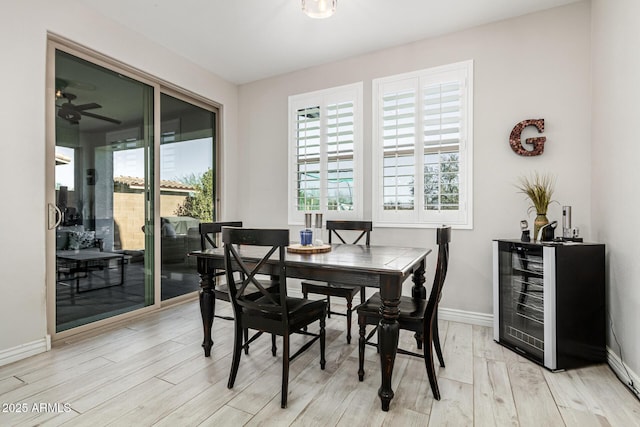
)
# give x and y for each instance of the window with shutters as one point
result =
(325, 153)
(422, 147)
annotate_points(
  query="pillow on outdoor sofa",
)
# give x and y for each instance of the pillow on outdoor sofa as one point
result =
(62, 235)
(81, 239)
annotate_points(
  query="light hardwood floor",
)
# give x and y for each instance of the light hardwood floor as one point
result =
(151, 371)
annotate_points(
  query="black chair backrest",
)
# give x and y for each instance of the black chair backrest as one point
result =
(443, 237)
(364, 227)
(242, 296)
(209, 230)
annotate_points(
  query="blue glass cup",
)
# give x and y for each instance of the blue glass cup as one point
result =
(305, 237)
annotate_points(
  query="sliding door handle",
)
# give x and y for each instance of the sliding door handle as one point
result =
(54, 216)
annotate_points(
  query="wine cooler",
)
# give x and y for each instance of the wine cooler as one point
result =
(549, 301)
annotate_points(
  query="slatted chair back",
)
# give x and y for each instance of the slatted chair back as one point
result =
(244, 297)
(364, 227)
(443, 238)
(209, 231)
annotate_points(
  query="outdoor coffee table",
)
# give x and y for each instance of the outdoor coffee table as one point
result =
(85, 261)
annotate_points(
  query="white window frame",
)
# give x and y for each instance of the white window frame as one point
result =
(418, 217)
(322, 98)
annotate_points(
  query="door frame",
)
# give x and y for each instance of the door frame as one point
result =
(56, 42)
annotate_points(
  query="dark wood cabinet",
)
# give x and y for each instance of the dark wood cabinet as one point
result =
(549, 301)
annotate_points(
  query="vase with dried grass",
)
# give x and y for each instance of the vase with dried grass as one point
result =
(539, 189)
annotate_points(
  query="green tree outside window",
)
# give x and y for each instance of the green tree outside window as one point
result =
(200, 204)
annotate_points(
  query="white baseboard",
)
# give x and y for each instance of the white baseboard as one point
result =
(623, 371)
(470, 317)
(23, 351)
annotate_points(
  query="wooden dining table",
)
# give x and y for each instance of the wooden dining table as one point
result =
(382, 267)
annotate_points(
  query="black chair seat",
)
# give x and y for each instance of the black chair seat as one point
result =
(331, 289)
(411, 310)
(298, 309)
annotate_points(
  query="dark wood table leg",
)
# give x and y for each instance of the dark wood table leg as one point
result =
(418, 290)
(388, 333)
(207, 303)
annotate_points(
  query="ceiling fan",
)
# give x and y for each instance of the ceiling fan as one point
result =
(73, 113)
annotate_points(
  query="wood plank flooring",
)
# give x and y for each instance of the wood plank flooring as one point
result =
(151, 371)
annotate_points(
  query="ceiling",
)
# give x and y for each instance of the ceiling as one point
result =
(247, 40)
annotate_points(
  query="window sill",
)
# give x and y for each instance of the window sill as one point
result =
(421, 225)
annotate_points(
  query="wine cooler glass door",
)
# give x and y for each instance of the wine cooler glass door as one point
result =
(522, 299)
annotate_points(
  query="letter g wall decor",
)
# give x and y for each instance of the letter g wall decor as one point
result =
(538, 143)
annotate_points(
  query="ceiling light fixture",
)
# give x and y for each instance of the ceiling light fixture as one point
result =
(319, 8)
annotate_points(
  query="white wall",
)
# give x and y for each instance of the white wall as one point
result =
(615, 159)
(23, 36)
(535, 66)
(530, 67)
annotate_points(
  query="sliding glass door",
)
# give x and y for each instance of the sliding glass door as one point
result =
(135, 174)
(187, 190)
(103, 154)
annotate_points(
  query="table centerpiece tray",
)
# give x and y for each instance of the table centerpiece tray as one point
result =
(299, 249)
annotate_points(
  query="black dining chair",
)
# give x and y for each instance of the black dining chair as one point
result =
(416, 314)
(265, 311)
(337, 289)
(208, 239)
